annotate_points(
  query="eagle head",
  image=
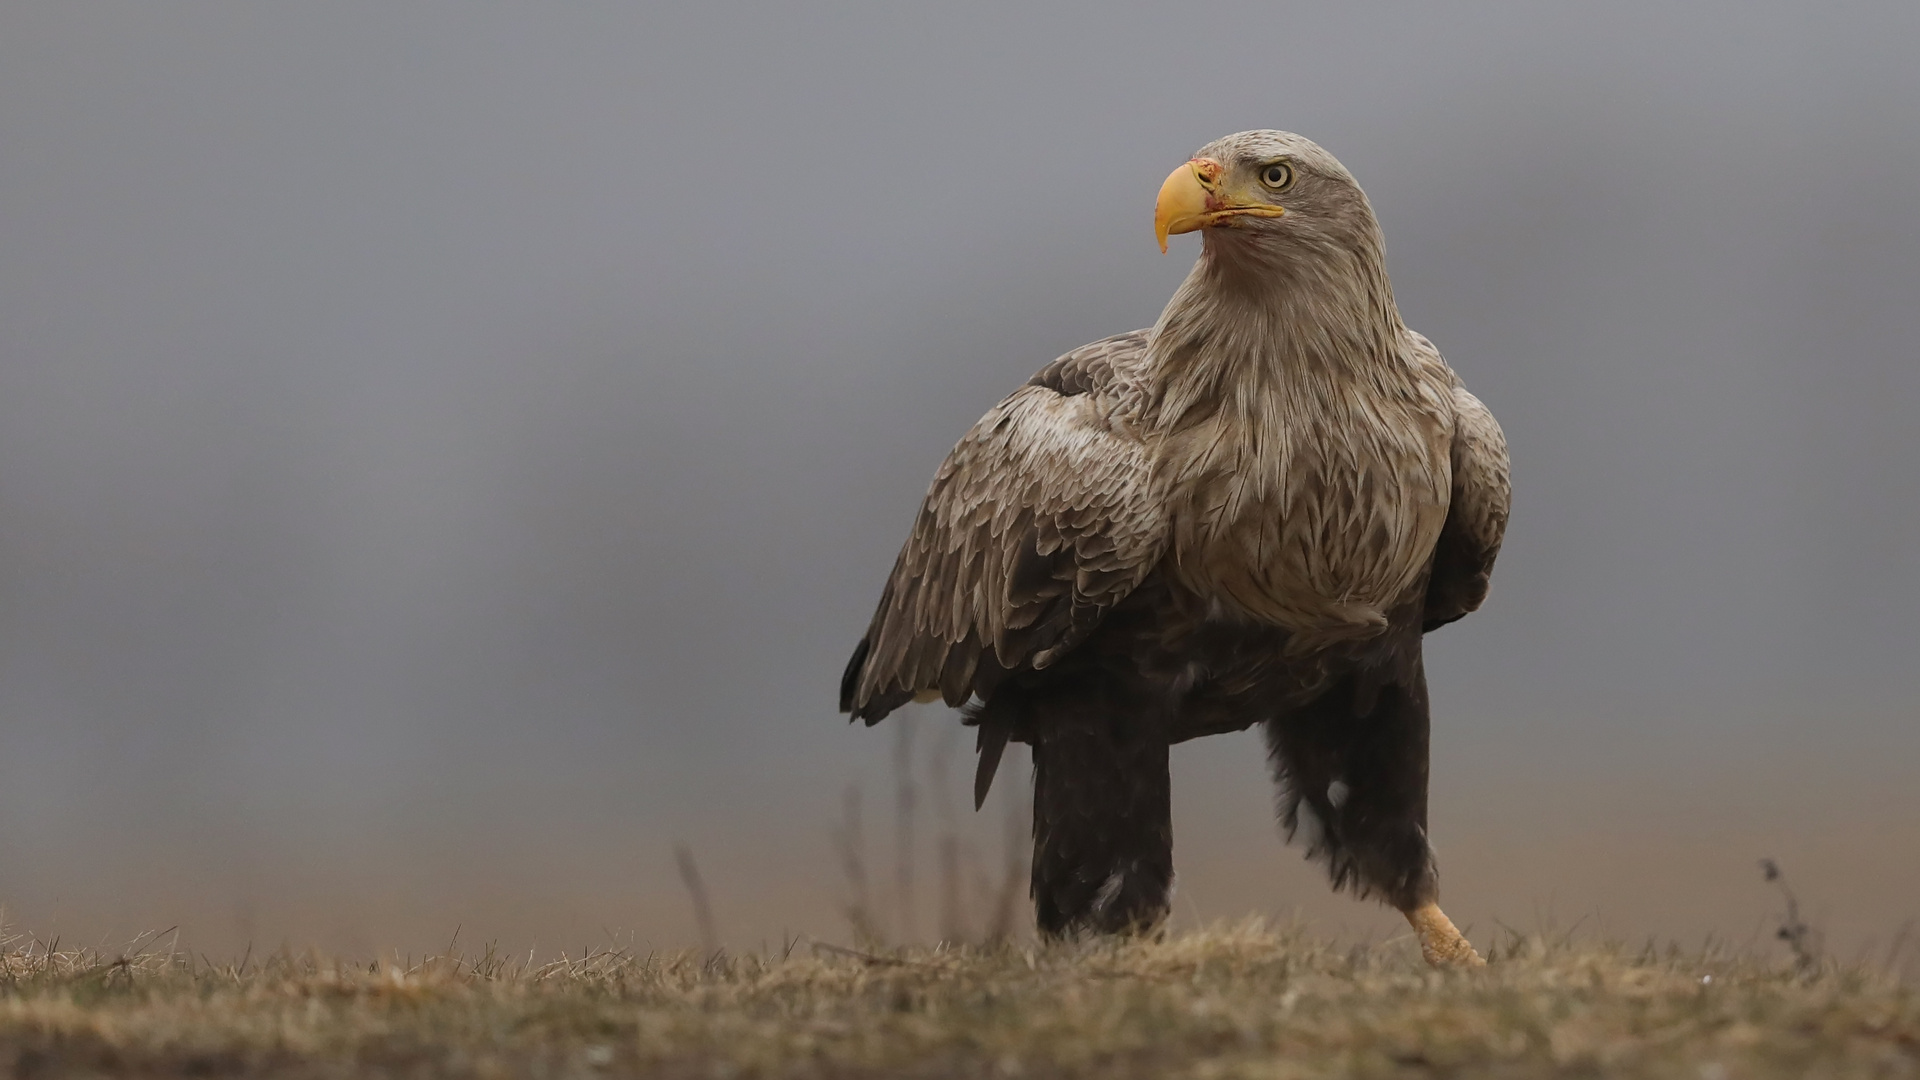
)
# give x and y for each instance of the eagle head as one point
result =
(1270, 193)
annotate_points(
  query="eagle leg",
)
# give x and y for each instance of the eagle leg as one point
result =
(1102, 821)
(1352, 765)
(1440, 942)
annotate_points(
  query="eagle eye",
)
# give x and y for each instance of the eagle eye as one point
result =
(1278, 176)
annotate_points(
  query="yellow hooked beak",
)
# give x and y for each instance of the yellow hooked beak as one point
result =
(1192, 198)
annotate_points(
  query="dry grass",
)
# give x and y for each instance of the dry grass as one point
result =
(1243, 1000)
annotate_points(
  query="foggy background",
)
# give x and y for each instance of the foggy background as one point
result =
(448, 451)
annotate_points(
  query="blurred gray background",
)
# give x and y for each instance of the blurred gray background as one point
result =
(447, 451)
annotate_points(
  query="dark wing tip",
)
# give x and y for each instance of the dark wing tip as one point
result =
(876, 707)
(850, 679)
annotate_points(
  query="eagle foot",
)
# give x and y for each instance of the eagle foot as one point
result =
(1440, 942)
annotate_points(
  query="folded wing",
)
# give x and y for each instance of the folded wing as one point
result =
(1476, 519)
(1038, 522)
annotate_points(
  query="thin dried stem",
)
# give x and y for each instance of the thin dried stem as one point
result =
(702, 906)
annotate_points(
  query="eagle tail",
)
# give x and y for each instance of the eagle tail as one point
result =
(991, 743)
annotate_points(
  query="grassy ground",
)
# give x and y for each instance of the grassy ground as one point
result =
(1231, 1001)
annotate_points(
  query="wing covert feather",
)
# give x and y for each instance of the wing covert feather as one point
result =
(1039, 521)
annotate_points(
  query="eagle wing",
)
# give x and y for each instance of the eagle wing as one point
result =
(1476, 517)
(1041, 519)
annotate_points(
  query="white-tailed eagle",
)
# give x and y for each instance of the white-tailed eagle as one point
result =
(1249, 513)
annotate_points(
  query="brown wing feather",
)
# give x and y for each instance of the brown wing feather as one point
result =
(1038, 522)
(1476, 518)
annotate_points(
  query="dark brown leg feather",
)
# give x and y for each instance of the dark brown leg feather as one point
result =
(1102, 825)
(1353, 771)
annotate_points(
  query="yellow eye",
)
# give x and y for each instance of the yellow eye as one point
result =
(1278, 176)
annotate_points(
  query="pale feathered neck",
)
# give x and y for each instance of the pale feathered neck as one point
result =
(1251, 321)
